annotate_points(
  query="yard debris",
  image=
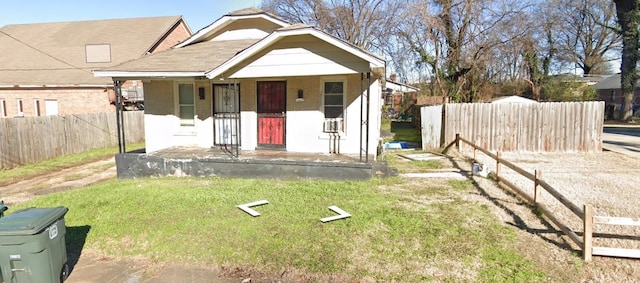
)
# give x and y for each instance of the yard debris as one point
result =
(341, 214)
(247, 207)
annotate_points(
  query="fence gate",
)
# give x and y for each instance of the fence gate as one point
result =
(431, 124)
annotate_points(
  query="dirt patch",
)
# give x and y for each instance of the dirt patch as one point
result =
(70, 178)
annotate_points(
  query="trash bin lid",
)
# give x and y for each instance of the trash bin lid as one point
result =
(30, 221)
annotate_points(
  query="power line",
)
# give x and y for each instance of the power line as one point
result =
(45, 53)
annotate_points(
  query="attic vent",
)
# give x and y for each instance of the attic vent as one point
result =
(98, 53)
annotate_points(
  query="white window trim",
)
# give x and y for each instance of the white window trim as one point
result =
(36, 107)
(19, 106)
(176, 101)
(3, 108)
(345, 92)
(47, 110)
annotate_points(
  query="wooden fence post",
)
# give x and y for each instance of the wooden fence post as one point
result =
(475, 154)
(587, 236)
(499, 156)
(458, 142)
(536, 190)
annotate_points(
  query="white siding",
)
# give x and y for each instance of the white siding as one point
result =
(301, 62)
(241, 34)
(164, 131)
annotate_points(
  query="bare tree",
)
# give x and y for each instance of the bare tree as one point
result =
(628, 13)
(583, 35)
(364, 23)
(459, 38)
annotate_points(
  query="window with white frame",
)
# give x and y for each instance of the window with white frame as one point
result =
(36, 107)
(186, 104)
(51, 107)
(20, 109)
(3, 109)
(334, 95)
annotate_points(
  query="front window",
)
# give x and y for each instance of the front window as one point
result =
(333, 106)
(333, 99)
(186, 104)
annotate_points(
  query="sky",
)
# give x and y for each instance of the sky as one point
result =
(197, 13)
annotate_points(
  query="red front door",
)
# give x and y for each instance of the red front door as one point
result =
(271, 114)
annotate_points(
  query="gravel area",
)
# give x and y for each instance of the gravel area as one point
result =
(606, 181)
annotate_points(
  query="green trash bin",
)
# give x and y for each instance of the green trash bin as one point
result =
(32, 246)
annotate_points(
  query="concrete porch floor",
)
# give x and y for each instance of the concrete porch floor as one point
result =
(273, 164)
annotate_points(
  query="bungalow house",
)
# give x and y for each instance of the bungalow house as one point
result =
(610, 91)
(252, 83)
(45, 68)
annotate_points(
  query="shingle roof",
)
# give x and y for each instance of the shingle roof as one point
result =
(612, 82)
(199, 57)
(54, 53)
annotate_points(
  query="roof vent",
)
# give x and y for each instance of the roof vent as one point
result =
(98, 53)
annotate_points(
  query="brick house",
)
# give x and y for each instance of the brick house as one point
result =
(610, 92)
(45, 68)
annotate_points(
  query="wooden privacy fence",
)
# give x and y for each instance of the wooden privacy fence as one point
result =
(585, 213)
(536, 127)
(33, 139)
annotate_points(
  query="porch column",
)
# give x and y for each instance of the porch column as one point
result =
(117, 88)
(364, 120)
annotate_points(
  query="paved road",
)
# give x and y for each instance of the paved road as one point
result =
(624, 139)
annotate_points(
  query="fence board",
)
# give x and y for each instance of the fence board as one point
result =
(548, 126)
(33, 139)
(431, 124)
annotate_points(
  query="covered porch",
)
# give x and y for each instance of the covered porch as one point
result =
(218, 162)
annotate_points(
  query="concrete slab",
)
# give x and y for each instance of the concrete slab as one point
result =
(93, 269)
(449, 175)
(422, 156)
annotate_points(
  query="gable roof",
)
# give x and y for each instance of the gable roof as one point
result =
(55, 53)
(247, 13)
(212, 58)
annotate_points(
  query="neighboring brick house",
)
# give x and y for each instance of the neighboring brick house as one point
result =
(45, 68)
(610, 92)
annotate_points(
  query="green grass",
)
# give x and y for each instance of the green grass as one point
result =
(405, 166)
(59, 163)
(391, 236)
(404, 131)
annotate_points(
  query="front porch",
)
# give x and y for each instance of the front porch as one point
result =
(216, 162)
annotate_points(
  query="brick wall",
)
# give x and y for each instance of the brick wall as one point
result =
(69, 100)
(178, 34)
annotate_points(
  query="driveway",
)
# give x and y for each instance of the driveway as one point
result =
(623, 139)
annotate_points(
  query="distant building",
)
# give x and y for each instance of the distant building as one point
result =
(610, 92)
(45, 68)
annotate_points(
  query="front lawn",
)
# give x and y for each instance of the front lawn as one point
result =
(398, 232)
